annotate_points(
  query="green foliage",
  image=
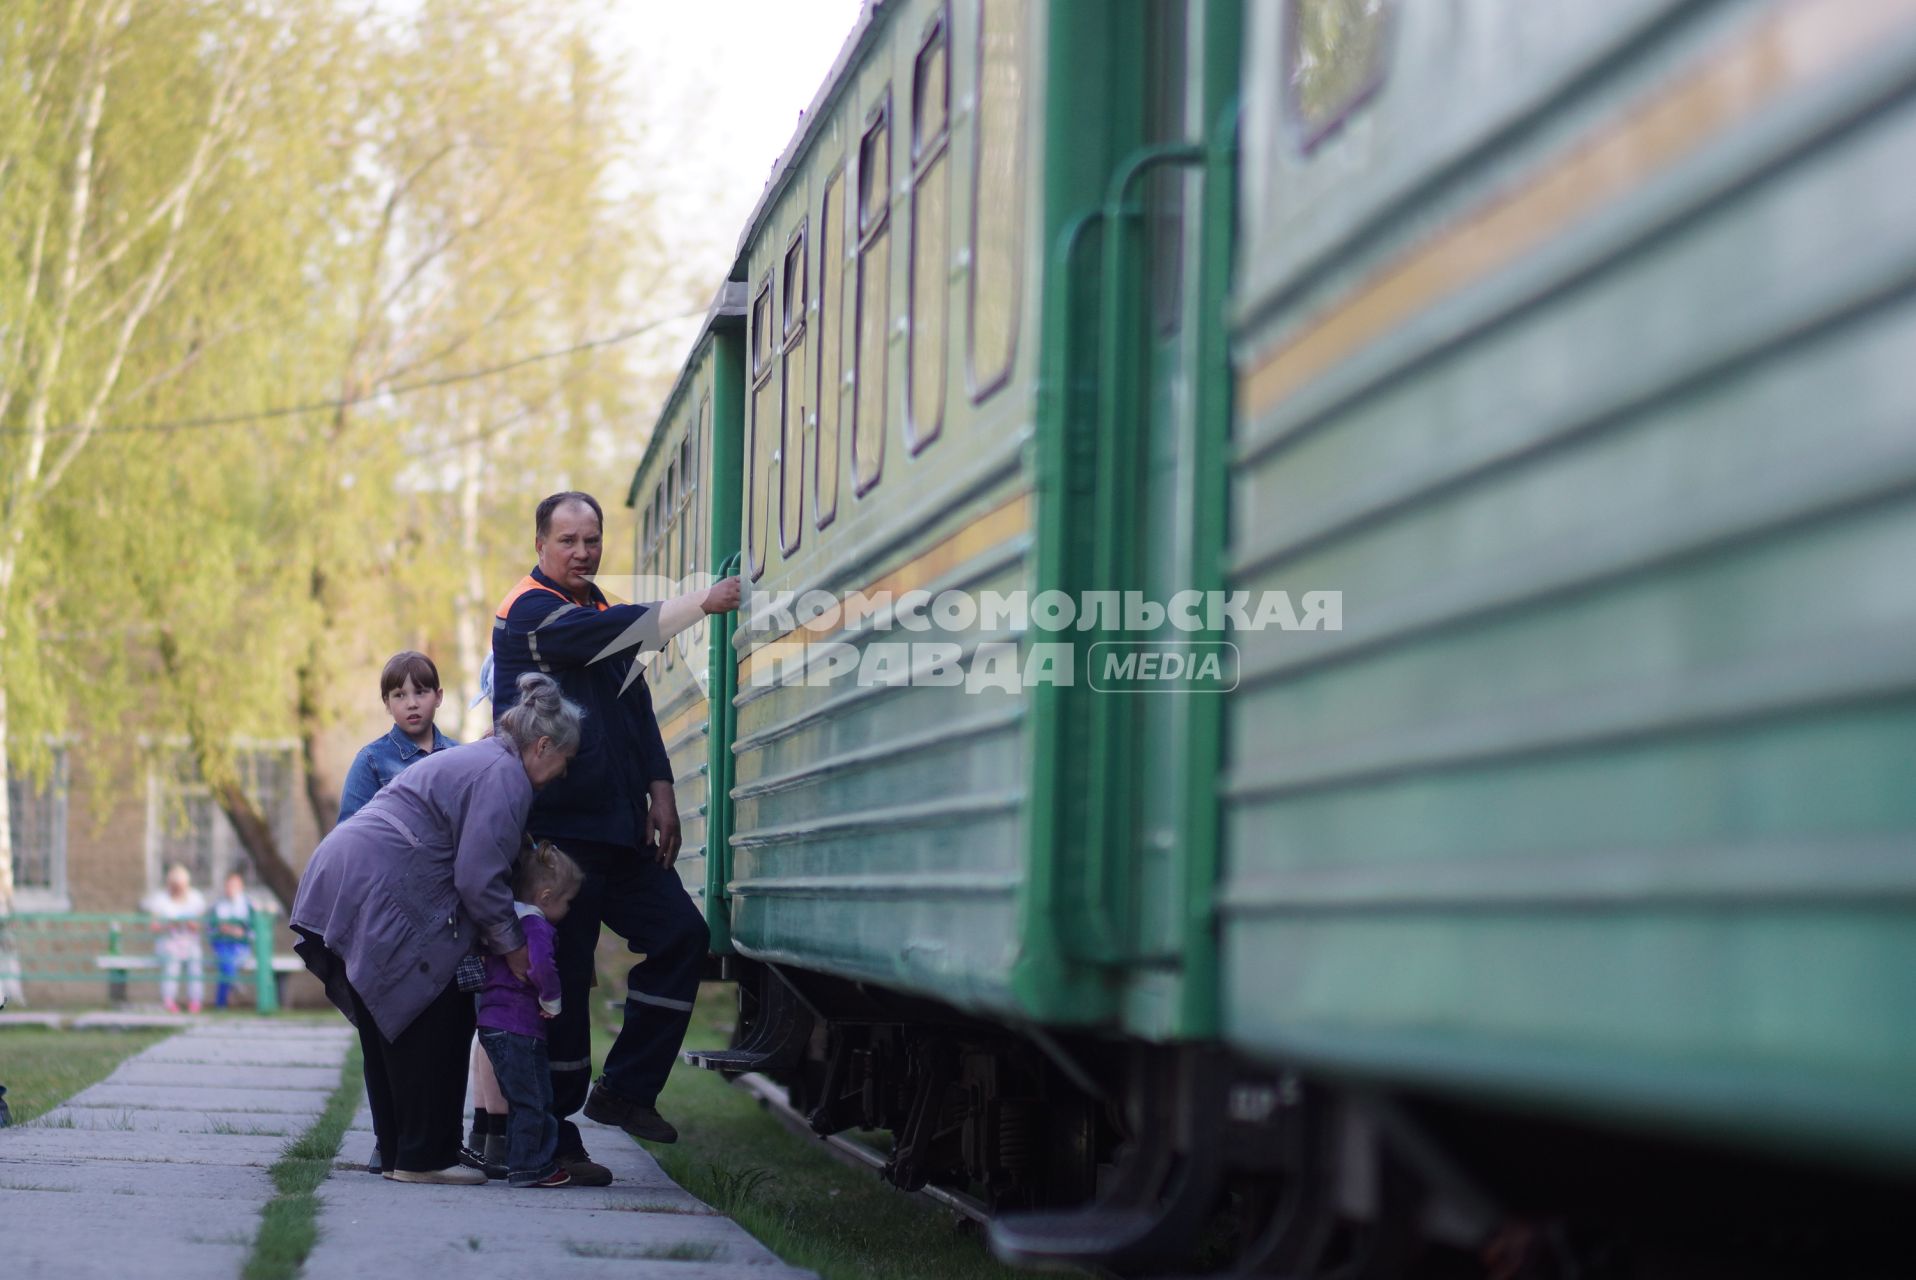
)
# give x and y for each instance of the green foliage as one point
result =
(209, 211)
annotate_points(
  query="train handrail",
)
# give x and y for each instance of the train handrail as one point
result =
(1106, 919)
(722, 668)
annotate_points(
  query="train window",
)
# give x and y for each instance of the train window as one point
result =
(674, 534)
(869, 355)
(688, 497)
(658, 529)
(764, 436)
(930, 92)
(680, 526)
(669, 531)
(930, 241)
(794, 419)
(1333, 59)
(831, 379)
(696, 472)
(643, 560)
(998, 197)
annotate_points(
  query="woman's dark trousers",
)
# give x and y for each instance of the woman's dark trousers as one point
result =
(416, 1084)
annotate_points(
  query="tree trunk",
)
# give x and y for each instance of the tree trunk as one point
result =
(472, 721)
(254, 835)
(322, 797)
(257, 839)
(7, 563)
(9, 957)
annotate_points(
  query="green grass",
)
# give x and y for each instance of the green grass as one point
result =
(288, 1226)
(42, 1067)
(801, 1203)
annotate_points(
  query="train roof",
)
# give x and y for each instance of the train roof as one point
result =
(864, 31)
(732, 299)
(727, 311)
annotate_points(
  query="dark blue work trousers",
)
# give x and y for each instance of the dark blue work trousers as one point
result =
(646, 904)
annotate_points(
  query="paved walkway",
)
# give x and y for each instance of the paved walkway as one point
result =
(160, 1170)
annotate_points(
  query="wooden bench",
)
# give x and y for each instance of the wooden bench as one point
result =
(116, 967)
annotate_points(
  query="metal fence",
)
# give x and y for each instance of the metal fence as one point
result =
(115, 950)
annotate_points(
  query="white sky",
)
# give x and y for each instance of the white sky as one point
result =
(721, 84)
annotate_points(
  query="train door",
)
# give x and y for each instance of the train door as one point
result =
(1162, 680)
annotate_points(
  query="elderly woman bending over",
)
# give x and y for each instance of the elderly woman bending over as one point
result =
(400, 892)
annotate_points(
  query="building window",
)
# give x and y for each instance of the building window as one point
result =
(1334, 61)
(831, 374)
(185, 824)
(37, 822)
(998, 196)
(763, 447)
(930, 240)
(794, 421)
(869, 356)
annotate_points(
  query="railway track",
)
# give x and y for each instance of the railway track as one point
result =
(773, 1097)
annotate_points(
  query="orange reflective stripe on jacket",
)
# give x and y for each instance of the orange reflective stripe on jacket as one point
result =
(530, 583)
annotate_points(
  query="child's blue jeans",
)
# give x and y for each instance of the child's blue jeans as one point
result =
(532, 1132)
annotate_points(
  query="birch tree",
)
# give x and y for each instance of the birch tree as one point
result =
(118, 120)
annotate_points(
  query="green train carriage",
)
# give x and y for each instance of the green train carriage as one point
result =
(1583, 839)
(1590, 396)
(686, 523)
(923, 840)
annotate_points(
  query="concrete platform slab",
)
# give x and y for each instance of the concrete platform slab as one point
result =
(281, 1030)
(244, 1051)
(212, 1075)
(133, 1021)
(98, 1179)
(210, 1123)
(30, 1144)
(106, 1252)
(517, 1229)
(108, 1093)
(625, 1196)
(74, 1216)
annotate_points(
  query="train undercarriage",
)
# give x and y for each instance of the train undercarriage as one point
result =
(1137, 1159)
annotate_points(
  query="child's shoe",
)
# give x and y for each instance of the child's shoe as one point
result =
(193, 1007)
(171, 1006)
(557, 1178)
(474, 1160)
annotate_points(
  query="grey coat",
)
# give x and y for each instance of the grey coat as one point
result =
(400, 892)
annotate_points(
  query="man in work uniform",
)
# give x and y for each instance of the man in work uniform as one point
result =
(615, 813)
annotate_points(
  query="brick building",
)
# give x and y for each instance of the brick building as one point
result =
(97, 834)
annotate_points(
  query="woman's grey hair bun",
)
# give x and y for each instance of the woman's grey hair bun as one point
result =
(542, 712)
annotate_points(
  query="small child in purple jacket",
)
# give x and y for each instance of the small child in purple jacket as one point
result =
(513, 1014)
